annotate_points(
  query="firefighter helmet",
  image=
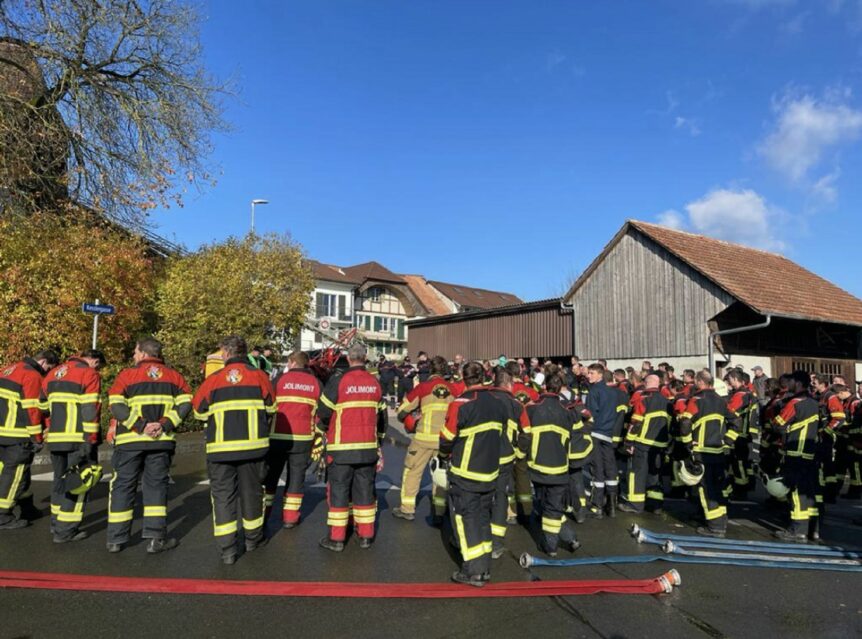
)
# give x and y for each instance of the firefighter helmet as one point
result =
(775, 486)
(690, 472)
(81, 478)
(438, 473)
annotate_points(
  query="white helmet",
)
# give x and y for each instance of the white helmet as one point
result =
(438, 474)
(690, 472)
(775, 486)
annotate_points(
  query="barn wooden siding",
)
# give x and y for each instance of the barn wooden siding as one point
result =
(538, 329)
(641, 301)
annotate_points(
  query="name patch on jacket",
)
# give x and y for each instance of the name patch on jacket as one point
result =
(308, 388)
(353, 390)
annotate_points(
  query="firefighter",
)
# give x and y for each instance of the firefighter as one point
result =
(832, 422)
(547, 448)
(70, 396)
(646, 442)
(517, 421)
(525, 394)
(708, 429)
(607, 405)
(236, 403)
(423, 413)
(353, 416)
(149, 401)
(797, 425)
(470, 445)
(580, 449)
(297, 392)
(20, 435)
(853, 444)
(742, 402)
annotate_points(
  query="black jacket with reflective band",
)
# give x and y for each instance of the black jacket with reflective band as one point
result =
(650, 420)
(797, 424)
(708, 424)
(70, 396)
(547, 442)
(149, 391)
(236, 403)
(471, 435)
(516, 422)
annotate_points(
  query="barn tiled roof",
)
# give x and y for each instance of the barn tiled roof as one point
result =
(767, 282)
(427, 295)
(466, 296)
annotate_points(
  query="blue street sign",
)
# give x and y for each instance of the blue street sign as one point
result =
(98, 309)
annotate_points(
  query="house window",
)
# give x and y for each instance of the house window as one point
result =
(367, 319)
(327, 305)
(374, 293)
(378, 323)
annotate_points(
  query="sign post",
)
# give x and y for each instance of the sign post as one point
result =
(96, 310)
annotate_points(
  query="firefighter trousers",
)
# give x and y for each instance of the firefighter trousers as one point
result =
(712, 490)
(67, 510)
(551, 500)
(603, 467)
(15, 460)
(644, 478)
(577, 490)
(801, 477)
(151, 468)
(229, 481)
(471, 521)
(419, 454)
(741, 468)
(500, 512)
(351, 489)
(523, 487)
(295, 456)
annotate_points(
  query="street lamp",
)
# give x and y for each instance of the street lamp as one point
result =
(253, 203)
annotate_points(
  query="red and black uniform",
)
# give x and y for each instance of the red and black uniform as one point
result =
(546, 444)
(148, 392)
(297, 392)
(797, 426)
(470, 439)
(525, 394)
(852, 463)
(353, 415)
(236, 403)
(648, 439)
(709, 429)
(517, 421)
(20, 431)
(70, 396)
(745, 405)
(833, 422)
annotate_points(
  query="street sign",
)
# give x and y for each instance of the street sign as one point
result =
(98, 309)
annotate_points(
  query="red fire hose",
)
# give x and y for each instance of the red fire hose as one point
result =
(100, 583)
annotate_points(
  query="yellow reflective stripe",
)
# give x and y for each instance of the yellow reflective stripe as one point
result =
(220, 530)
(498, 531)
(289, 437)
(91, 427)
(155, 511)
(29, 403)
(550, 428)
(471, 431)
(467, 474)
(34, 429)
(357, 446)
(233, 446)
(469, 552)
(548, 470)
(291, 399)
(251, 524)
(715, 513)
(637, 418)
(63, 438)
(508, 459)
(552, 526)
(365, 404)
(237, 404)
(120, 517)
(117, 399)
(72, 398)
(9, 501)
(202, 416)
(634, 496)
(21, 432)
(803, 424)
(327, 402)
(129, 438)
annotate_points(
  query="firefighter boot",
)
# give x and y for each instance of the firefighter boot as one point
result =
(28, 509)
(612, 505)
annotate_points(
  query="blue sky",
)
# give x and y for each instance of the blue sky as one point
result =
(502, 144)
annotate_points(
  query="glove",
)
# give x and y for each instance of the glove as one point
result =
(317, 446)
(379, 467)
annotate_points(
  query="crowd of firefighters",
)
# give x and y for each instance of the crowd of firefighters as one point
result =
(502, 438)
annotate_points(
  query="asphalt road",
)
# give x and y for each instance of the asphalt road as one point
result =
(714, 601)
